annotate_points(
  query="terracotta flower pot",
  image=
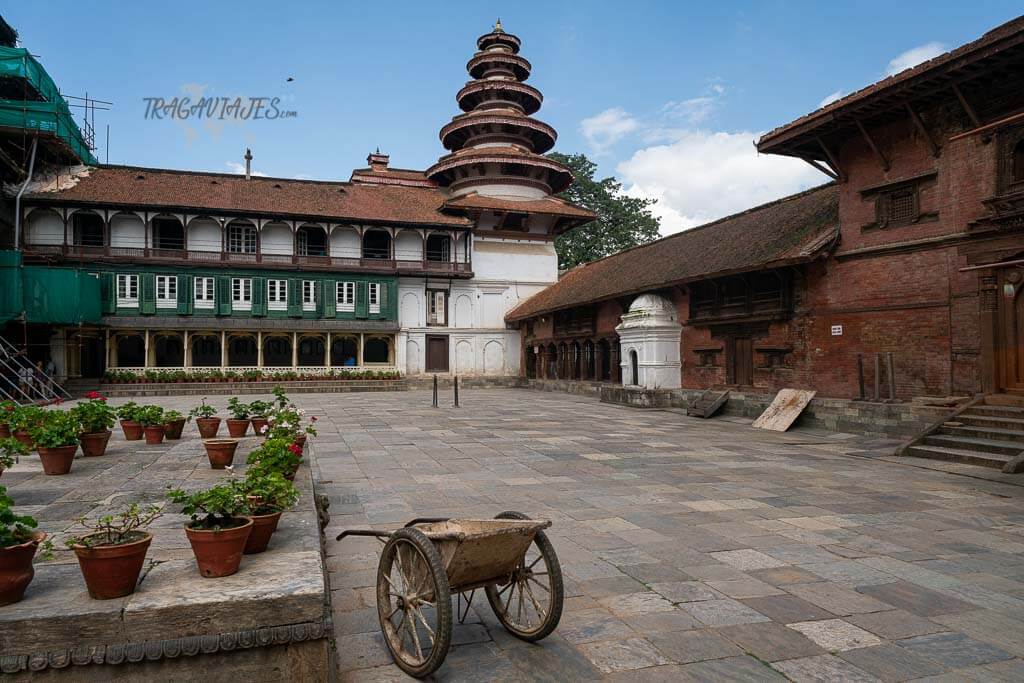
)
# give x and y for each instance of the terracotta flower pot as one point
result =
(16, 569)
(22, 436)
(208, 426)
(154, 434)
(218, 553)
(290, 476)
(263, 527)
(174, 428)
(301, 440)
(112, 571)
(258, 425)
(94, 443)
(221, 452)
(57, 460)
(132, 430)
(5, 431)
(237, 428)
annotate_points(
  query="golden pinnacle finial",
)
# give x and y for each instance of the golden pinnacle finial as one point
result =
(497, 26)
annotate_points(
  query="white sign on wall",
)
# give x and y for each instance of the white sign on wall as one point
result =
(837, 330)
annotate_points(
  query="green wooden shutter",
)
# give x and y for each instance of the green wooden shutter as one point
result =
(382, 299)
(362, 298)
(295, 298)
(318, 293)
(147, 297)
(223, 295)
(108, 292)
(329, 290)
(186, 294)
(259, 296)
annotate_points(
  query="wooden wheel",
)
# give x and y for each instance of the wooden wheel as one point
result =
(414, 602)
(529, 603)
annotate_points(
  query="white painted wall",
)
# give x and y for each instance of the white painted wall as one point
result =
(204, 235)
(44, 227)
(525, 261)
(127, 230)
(276, 238)
(345, 243)
(408, 246)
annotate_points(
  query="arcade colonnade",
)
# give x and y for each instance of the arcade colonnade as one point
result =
(595, 359)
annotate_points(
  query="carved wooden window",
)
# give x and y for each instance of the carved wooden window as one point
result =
(1011, 160)
(1017, 163)
(899, 207)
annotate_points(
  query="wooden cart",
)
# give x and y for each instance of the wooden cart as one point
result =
(424, 563)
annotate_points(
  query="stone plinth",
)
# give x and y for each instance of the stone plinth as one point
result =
(638, 397)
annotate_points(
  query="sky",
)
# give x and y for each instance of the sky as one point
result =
(668, 97)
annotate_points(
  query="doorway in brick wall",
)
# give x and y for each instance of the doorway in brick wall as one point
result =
(437, 353)
(1009, 351)
(739, 361)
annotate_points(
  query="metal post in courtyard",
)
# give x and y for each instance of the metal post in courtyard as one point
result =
(878, 372)
(456, 391)
(891, 376)
(860, 374)
(435, 391)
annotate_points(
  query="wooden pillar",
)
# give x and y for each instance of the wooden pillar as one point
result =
(223, 349)
(988, 319)
(327, 351)
(111, 359)
(295, 349)
(360, 353)
(259, 348)
(598, 362)
(145, 345)
(187, 355)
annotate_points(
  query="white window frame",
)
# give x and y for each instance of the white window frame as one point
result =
(277, 295)
(242, 239)
(241, 294)
(309, 295)
(374, 297)
(127, 290)
(436, 305)
(203, 293)
(166, 291)
(346, 297)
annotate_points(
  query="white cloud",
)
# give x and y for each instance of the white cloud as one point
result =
(692, 111)
(605, 129)
(837, 95)
(914, 56)
(235, 167)
(704, 175)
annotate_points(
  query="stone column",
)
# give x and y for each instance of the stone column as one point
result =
(295, 349)
(360, 351)
(187, 355)
(259, 348)
(145, 346)
(327, 350)
(223, 349)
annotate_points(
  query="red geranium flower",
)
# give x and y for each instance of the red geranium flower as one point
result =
(93, 394)
(312, 418)
(296, 449)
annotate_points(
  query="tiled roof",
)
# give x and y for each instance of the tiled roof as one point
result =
(130, 186)
(392, 176)
(982, 47)
(552, 206)
(790, 230)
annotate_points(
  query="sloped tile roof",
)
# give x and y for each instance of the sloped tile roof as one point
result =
(791, 230)
(131, 186)
(551, 205)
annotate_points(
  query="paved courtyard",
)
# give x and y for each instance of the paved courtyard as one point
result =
(692, 550)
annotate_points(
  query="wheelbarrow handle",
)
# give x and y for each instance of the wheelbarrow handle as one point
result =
(362, 532)
(427, 520)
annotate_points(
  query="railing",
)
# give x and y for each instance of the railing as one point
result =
(21, 382)
(259, 259)
(266, 370)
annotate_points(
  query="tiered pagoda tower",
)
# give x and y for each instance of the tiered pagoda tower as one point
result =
(497, 146)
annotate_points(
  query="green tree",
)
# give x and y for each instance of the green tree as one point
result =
(622, 221)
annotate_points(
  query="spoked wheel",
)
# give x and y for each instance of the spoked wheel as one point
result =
(529, 605)
(414, 602)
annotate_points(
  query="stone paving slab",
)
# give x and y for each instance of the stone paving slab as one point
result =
(692, 549)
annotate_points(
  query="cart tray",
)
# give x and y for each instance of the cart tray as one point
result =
(479, 551)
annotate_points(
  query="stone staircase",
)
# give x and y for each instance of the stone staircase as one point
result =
(989, 433)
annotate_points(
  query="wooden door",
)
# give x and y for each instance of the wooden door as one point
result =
(740, 362)
(1010, 339)
(437, 353)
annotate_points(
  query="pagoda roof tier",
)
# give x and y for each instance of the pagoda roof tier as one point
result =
(482, 93)
(482, 62)
(538, 171)
(505, 123)
(549, 206)
(498, 37)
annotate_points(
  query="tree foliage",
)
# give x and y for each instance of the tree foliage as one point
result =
(622, 221)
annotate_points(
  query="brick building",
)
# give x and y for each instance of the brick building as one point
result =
(915, 249)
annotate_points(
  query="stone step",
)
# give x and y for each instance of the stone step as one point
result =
(1004, 400)
(992, 433)
(996, 411)
(967, 457)
(991, 421)
(999, 446)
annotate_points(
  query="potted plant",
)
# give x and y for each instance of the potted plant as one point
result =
(10, 450)
(128, 414)
(153, 424)
(175, 423)
(23, 419)
(96, 418)
(111, 555)
(220, 452)
(18, 545)
(238, 423)
(56, 440)
(278, 454)
(268, 495)
(206, 421)
(218, 529)
(259, 410)
(7, 409)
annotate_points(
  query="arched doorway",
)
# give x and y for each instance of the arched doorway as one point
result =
(439, 248)
(168, 233)
(634, 367)
(311, 352)
(604, 350)
(87, 229)
(131, 351)
(242, 351)
(168, 351)
(277, 352)
(377, 350)
(205, 350)
(376, 244)
(531, 363)
(311, 240)
(344, 352)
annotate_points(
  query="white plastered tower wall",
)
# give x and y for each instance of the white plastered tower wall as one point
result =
(651, 330)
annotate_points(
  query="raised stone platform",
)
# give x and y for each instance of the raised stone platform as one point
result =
(269, 619)
(129, 390)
